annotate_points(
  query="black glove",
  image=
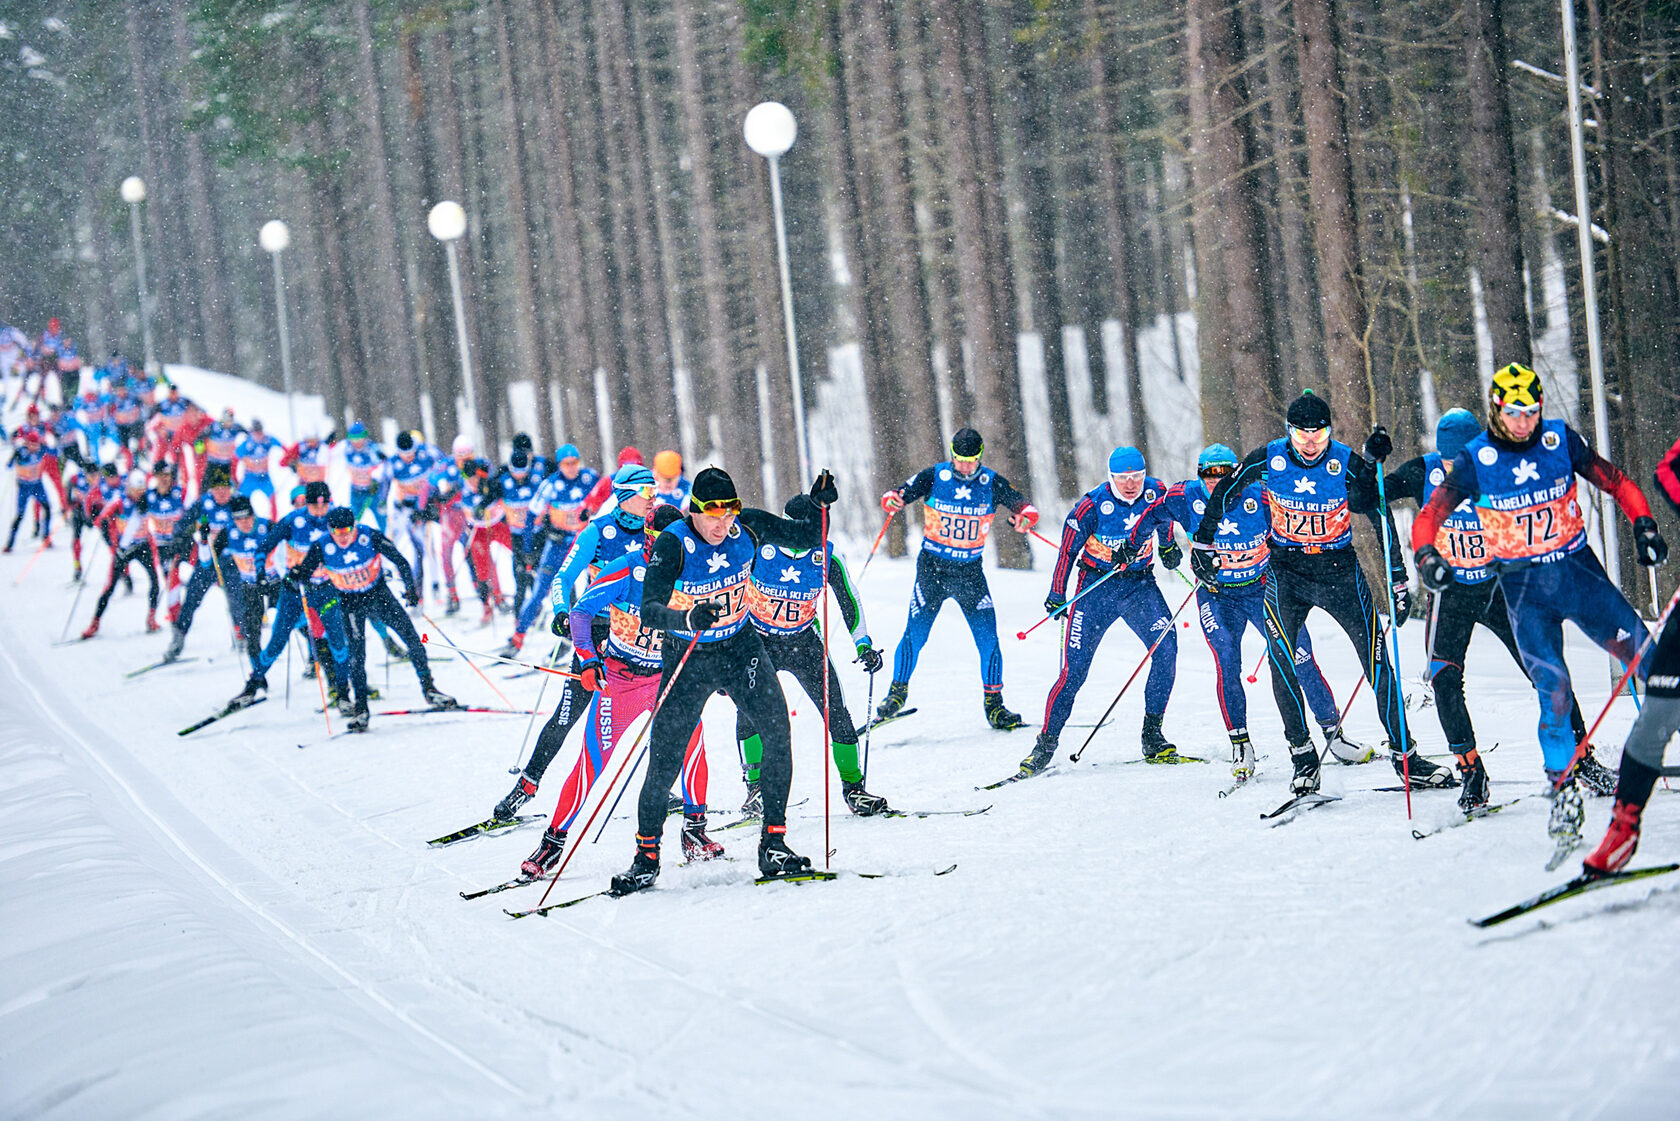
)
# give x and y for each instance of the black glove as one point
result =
(1204, 562)
(1402, 597)
(823, 491)
(557, 625)
(702, 615)
(1648, 546)
(1378, 446)
(1172, 556)
(412, 597)
(204, 533)
(292, 576)
(1054, 604)
(1433, 570)
(870, 657)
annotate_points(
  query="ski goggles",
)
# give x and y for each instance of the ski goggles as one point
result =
(1215, 470)
(1516, 412)
(716, 508)
(626, 493)
(966, 462)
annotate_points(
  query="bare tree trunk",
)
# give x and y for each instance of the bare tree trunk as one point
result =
(1493, 175)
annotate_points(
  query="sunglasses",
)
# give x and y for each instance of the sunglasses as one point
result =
(317, 501)
(1217, 470)
(716, 509)
(1307, 433)
(1515, 411)
(965, 459)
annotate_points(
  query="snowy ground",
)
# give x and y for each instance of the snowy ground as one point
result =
(227, 925)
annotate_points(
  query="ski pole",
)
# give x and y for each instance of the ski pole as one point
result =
(828, 669)
(326, 709)
(890, 515)
(519, 760)
(39, 549)
(447, 641)
(447, 645)
(1638, 656)
(80, 585)
(1168, 629)
(1044, 539)
(1254, 674)
(646, 728)
(640, 755)
(1405, 744)
(1062, 611)
(868, 711)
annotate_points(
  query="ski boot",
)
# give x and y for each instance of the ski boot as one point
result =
(775, 858)
(359, 716)
(436, 697)
(346, 704)
(523, 791)
(1344, 750)
(1242, 757)
(695, 844)
(76, 574)
(643, 870)
(249, 694)
(1595, 778)
(861, 801)
(997, 716)
(395, 649)
(897, 693)
(152, 626)
(454, 605)
(754, 805)
(1305, 758)
(1567, 816)
(1043, 754)
(489, 613)
(1620, 841)
(1473, 779)
(514, 644)
(92, 628)
(1156, 749)
(1424, 774)
(542, 862)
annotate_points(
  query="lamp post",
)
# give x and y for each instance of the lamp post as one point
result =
(134, 193)
(447, 222)
(274, 237)
(770, 130)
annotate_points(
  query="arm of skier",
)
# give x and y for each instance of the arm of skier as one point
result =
(803, 532)
(1250, 470)
(1405, 481)
(594, 600)
(1667, 476)
(660, 582)
(1363, 499)
(1005, 495)
(1075, 530)
(583, 548)
(390, 552)
(1459, 485)
(306, 567)
(1607, 477)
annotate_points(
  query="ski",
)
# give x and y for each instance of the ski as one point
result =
(884, 875)
(1301, 802)
(489, 825)
(880, 720)
(748, 819)
(453, 708)
(1579, 885)
(1016, 777)
(932, 813)
(556, 906)
(1176, 759)
(812, 876)
(157, 665)
(505, 885)
(226, 710)
(1465, 819)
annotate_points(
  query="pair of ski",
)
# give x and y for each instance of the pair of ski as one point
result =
(806, 877)
(131, 674)
(1298, 805)
(238, 704)
(1026, 774)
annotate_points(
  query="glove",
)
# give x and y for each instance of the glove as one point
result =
(591, 674)
(1648, 546)
(292, 576)
(204, 533)
(870, 657)
(702, 615)
(1172, 556)
(1054, 604)
(892, 502)
(412, 597)
(823, 491)
(1378, 446)
(1433, 570)
(1402, 598)
(557, 625)
(1025, 520)
(1204, 562)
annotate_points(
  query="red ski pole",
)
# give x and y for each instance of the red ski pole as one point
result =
(823, 759)
(475, 669)
(447, 645)
(878, 538)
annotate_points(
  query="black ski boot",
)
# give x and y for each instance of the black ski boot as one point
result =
(542, 861)
(861, 801)
(775, 858)
(1595, 778)
(177, 639)
(695, 844)
(395, 649)
(359, 716)
(1473, 781)
(248, 695)
(999, 717)
(523, 791)
(897, 693)
(642, 871)
(754, 805)
(1043, 754)
(1156, 749)
(436, 697)
(454, 606)
(344, 702)
(1305, 758)
(1424, 774)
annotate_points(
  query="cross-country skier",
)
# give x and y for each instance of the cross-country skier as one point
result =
(410, 470)
(239, 546)
(211, 514)
(696, 591)
(253, 450)
(669, 484)
(959, 499)
(126, 517)
(28, 464)
(557, 509)
(1642, 754)
(221, 446)
(1520, 471)
(1314, 485)
(518, 484)
(1473, 597)
(784, 596)
(365, 461)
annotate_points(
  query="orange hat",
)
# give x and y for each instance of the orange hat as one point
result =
(668, 463)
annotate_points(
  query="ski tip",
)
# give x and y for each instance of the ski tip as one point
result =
(946, 871)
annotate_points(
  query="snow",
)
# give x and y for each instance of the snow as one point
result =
(229, 925)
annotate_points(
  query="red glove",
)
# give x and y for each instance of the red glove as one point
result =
(1025, 520)
(892, 502)
(592, 675)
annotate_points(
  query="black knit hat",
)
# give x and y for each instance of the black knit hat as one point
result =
(520, 459)
(405, 441)
(713, 484)
(240, 506)
(317, 492)
(521, 441)
(966, 444)
(1309, 411)
(340, 517)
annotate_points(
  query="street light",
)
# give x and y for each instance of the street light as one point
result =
(134, 193)
(770, 130)
(274, 237)
(448, 222)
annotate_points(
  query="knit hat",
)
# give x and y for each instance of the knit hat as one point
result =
(1309, 411)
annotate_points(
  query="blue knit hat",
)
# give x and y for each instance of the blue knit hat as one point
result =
(1456, 428)
(567, 451)
(628, 481)
(1215, 455)
(1124, 459)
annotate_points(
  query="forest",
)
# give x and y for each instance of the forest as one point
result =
(1003, 213)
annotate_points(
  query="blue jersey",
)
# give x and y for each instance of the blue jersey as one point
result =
(719, 573)
(1099, 523)
(411, 476)
(603, 542)
(1241, 537)
(1525, 497)
(1460, 539)
(957, 513)
(221, 442)
(363, 463)
(297, 530)
(92, 410)
(559, 502)
(517, 494)
(785, 589)
(1310, 511)
(617, 594)
(163, 513)
(446, 481)
(245, 549)
(355, 567)
(253, 453)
